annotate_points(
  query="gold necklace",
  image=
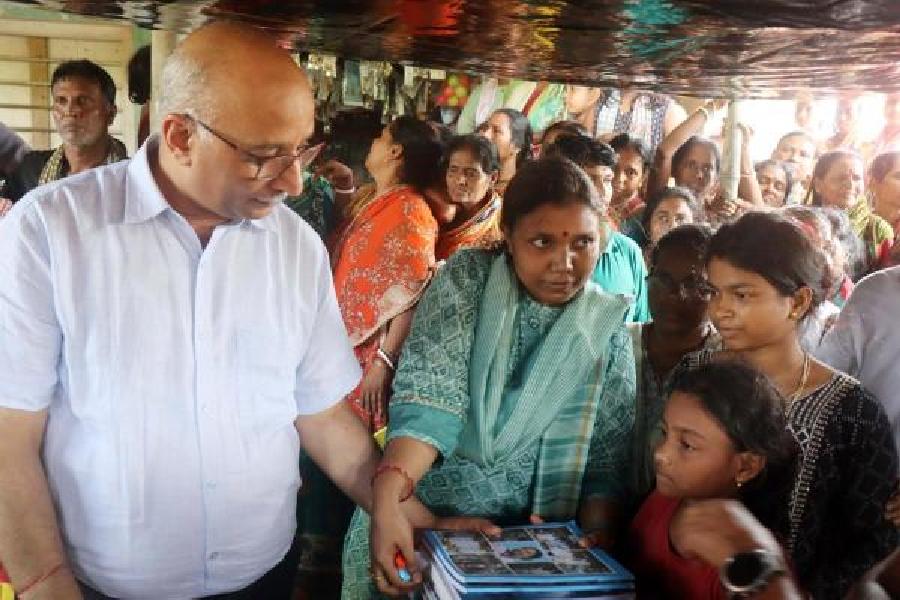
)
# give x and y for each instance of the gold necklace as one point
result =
(804, 377)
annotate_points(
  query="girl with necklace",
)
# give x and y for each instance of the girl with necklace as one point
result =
(767, 278)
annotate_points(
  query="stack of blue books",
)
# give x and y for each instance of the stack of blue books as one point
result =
(524, 563)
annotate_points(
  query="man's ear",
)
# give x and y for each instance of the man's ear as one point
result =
(178, 134)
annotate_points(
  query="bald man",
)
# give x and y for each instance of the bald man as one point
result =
(169, 336)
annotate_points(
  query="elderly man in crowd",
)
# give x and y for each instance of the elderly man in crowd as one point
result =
(84, 106)
(169, 337)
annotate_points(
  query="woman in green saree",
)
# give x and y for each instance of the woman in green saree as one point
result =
(514, 395)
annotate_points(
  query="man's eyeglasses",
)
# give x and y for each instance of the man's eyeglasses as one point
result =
(692, 286)
(268, 167)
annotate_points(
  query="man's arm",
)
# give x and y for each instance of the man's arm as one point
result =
(30, 543)
(341, 446)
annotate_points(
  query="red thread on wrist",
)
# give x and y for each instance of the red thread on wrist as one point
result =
(410, 484)
(39, 579)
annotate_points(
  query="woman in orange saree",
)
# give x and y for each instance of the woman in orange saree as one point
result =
(384, 258)
(472, 169)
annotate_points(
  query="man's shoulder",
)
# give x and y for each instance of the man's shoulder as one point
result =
(35, 158)
(99, 188)
(880, 286)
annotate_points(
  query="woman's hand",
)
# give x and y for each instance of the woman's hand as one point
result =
(714, 104)
(391, 532)
(339, 175)
(474, 524)
(374, 390)
(5, 205)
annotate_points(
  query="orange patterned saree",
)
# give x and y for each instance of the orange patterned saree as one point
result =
(482, 230)
(382, 264)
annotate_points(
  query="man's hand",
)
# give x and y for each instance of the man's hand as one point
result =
(715, 530)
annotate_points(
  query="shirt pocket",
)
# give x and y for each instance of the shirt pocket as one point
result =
(266, 379)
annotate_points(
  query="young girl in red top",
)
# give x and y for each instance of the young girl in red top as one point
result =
(723, 437)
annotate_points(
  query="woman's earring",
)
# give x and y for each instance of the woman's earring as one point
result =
(739, 483)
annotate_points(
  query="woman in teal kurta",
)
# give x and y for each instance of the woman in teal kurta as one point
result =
(517, 377)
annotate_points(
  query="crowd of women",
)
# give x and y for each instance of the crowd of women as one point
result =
(601, 333)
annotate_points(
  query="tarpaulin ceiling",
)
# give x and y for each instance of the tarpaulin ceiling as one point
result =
(749, 48)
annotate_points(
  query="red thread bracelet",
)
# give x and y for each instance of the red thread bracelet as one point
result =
(39, 579)
(410, 485)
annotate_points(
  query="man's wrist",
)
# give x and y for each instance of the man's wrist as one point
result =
(747, 573)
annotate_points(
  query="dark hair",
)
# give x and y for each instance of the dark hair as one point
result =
(421, 151)
(583, 151)
(444, 132)
(668, 192)
(882, 164)
(567, 127)
(682, 153)
(823, 165)
(691, 237)
(551, 180)
(814, 217)
(624, 141)
(481, 148)
(750, 410)
(90, 71)
(788, 174)
(139, 75)
(520, 133)
(776, 249)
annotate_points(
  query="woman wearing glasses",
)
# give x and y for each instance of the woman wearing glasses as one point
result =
(678, 294)
(384, 257)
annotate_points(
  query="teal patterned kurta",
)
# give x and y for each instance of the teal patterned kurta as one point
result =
(315, 204)
(433, 408)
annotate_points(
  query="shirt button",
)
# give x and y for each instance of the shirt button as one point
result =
(211, 485)
(213, 556)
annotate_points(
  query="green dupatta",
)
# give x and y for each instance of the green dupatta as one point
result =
(559, 399)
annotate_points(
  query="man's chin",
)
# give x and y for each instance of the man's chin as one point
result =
(258, 209)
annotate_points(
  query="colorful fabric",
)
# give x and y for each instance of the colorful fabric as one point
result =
(315, 205)
(57, 166)
(621, 271)
(489, 96)
(631, 208)
(847, 471)
(475, 331)
(482, 230)
(382, 264)
(659, 571)
(645, 118)
(872, 230)
(843, 292)
(560, 392)
(549, 107)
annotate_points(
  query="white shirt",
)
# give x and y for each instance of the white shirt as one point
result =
(173, 375)
(865, 340)
(814, 327)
